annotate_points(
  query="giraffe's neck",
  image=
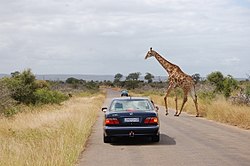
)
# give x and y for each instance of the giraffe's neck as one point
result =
(168, 66)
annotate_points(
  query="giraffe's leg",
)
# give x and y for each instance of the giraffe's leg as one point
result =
(183, 103)
(165, 98)
(176, 103)
(194, 97)
(196, 106)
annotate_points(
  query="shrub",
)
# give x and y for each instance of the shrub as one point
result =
(229, 85)
(216, 78)
(46, 96)
(41, 84)
(22, 86)
(6, 102)
(247, 91)
(132, 84)
(149, 77)
(117, 79)
(91, 85)
(72, 80)
(11, 111)
(176, 91)
(206, 96)
(225, 85)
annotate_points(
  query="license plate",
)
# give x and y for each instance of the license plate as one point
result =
(131, 119)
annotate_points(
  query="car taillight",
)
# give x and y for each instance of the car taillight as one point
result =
(111, 121)
(151, 120)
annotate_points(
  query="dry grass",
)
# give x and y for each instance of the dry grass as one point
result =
(223, 111)
(218, 110)
(51, 135)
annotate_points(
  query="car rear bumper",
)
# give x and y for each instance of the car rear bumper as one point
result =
(119, 131)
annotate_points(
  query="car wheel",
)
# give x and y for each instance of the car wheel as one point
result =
(106, 139)
(156, 138)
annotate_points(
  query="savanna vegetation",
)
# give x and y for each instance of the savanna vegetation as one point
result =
(45, 122)
(49, 134)
(221, 98)
(23, 89)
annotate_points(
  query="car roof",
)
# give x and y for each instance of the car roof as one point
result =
(131, 98)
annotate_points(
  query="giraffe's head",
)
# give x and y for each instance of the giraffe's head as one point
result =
(150, 53)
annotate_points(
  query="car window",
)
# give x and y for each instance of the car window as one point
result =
(128, 105)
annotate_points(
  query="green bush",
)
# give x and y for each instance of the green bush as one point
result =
(11, 111)
(247, 91)
(176, 91)
(229, 85)
(225, 85)
(149, 77)
(92, 85)
(46, 96)
(6, 102)
(41, 84)
(216, 78)
(206, 96)
(22, 86)
(131, 84)
(72, 80)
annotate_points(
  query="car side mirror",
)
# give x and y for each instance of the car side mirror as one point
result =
(104, 109)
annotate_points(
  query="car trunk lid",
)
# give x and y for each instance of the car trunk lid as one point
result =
(132, 118)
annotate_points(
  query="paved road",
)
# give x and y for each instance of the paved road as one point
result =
(185, 140)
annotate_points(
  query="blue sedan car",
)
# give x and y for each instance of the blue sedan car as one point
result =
(131, 117)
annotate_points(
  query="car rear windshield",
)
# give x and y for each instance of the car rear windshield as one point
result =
(131, 105)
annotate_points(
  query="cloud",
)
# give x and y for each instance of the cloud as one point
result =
(231, 61)
(99, 37)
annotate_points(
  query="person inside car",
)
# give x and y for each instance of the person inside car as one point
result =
(124, 93)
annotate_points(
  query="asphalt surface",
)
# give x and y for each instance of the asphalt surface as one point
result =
(185, 140)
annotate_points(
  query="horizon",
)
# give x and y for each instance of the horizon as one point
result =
(99, 77)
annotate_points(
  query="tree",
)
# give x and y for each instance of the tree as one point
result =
(118, 76)
(117, 80)
(132, 81)
(196, 77)
(133, 76)
(149, 77)
(92, 85)
(72, 80)
(216, 78)
(22, 86)
(229, 85)
(225, 85)
(15, 74)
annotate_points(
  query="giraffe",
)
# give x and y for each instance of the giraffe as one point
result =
(176, 78)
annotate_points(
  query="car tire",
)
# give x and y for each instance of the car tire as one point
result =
(156, 138)
(106, 139)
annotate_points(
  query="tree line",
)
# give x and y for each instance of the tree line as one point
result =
(24, 88)
(216, 81)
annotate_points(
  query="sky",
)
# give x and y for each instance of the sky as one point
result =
(106, 37)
